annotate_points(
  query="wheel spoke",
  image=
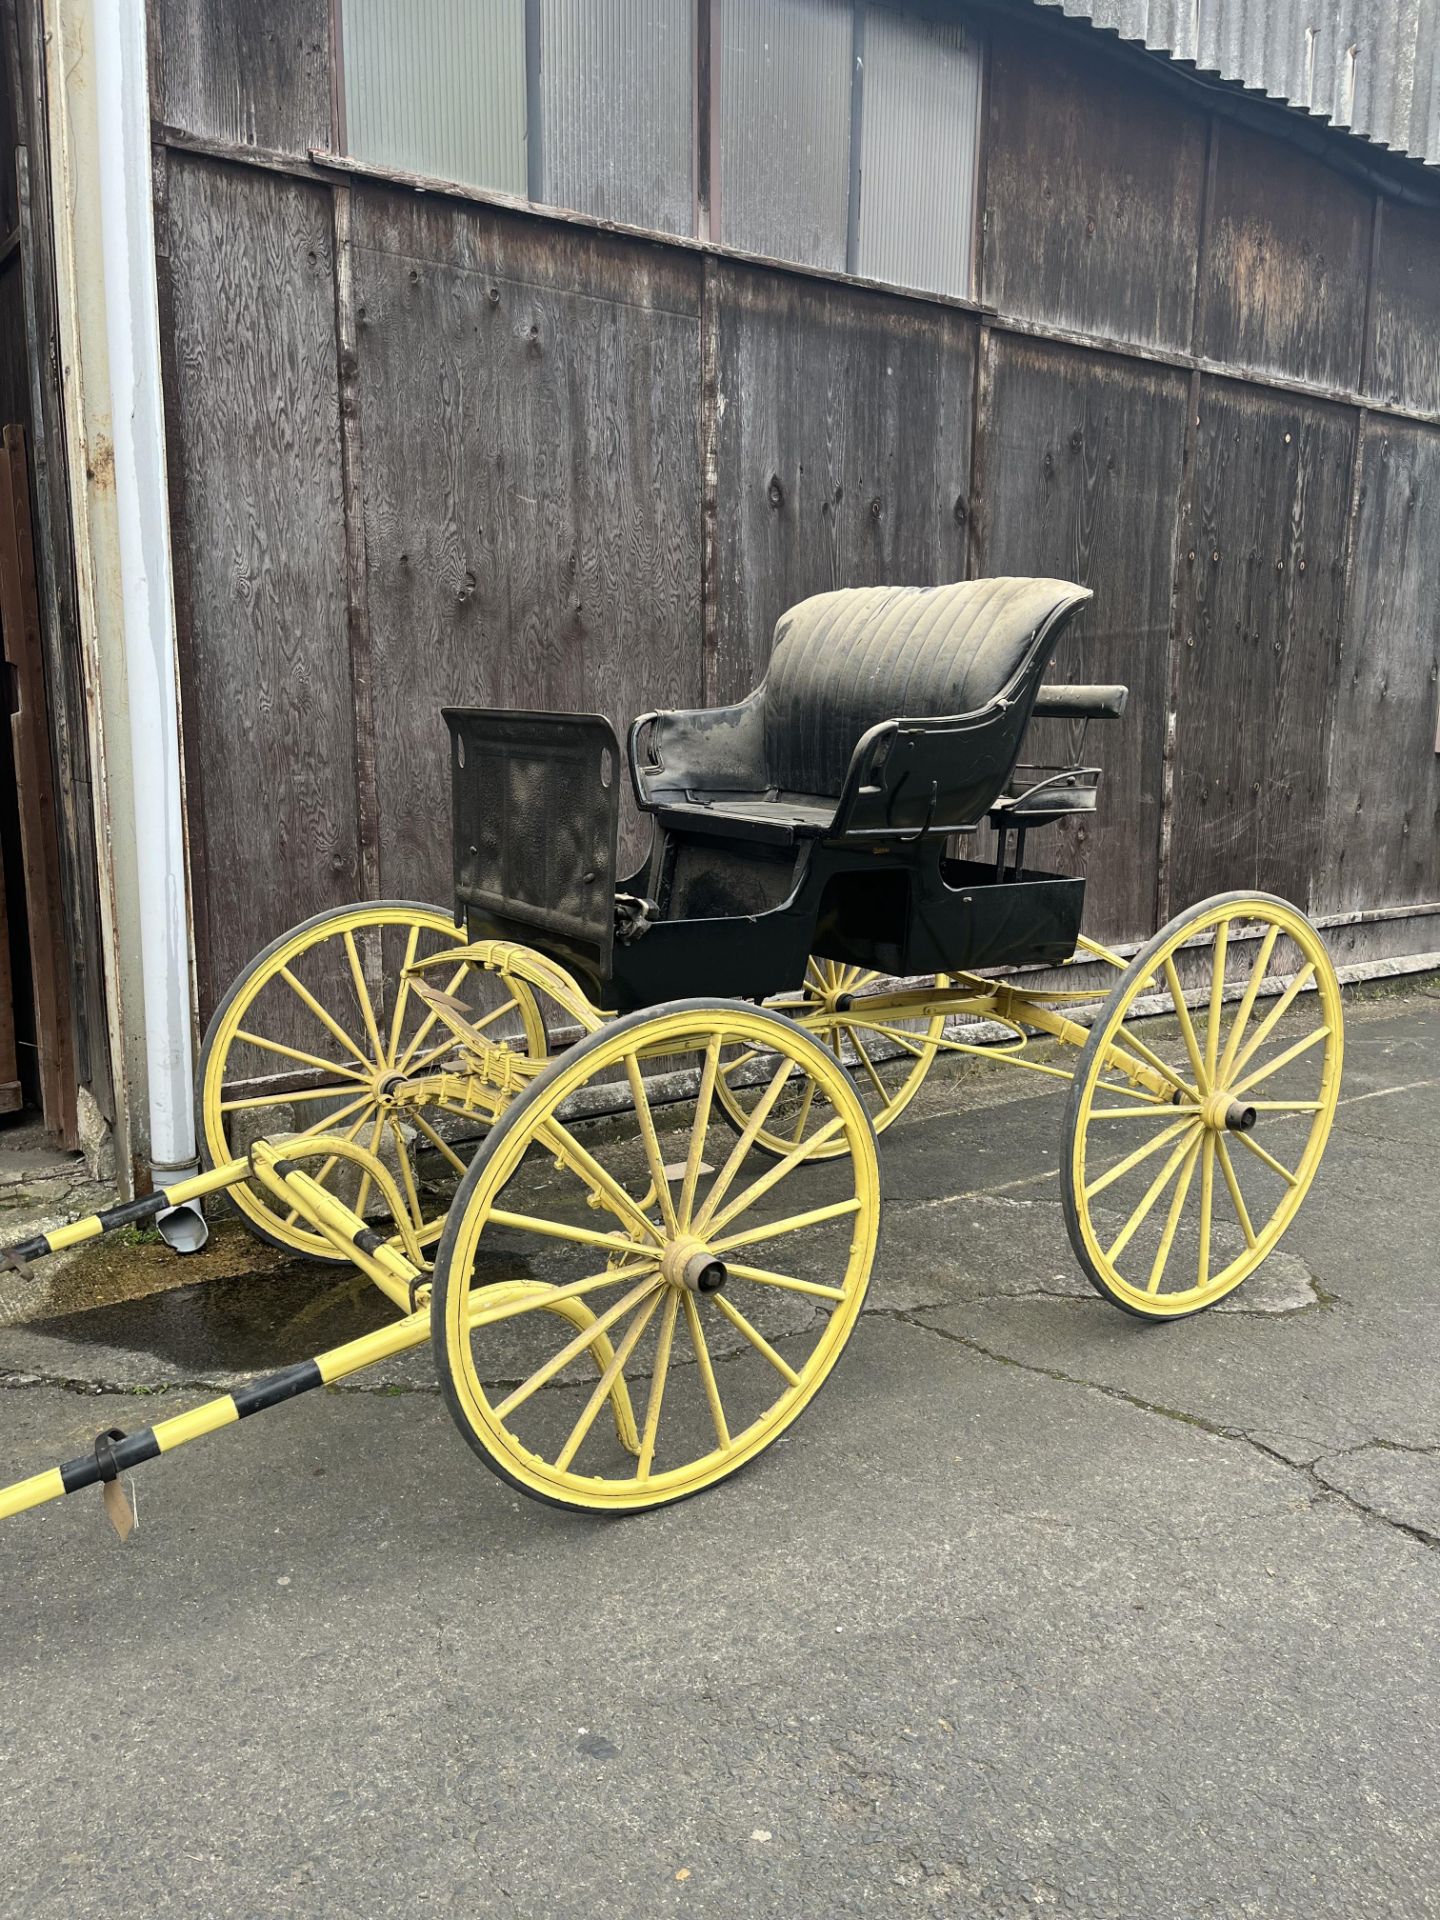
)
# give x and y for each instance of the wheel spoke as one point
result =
(556, 1296)
(1217, 1000)
(760, 1113)
(1237, 1199)
(773, 1175)
(436, 1140)
(367, 1009)
(402, 995)
(1163, 1104)
(763, 1277)
(740, 1060)
(1272, 1019)
(325, 1168)
(1269, 1160)
(806, 1101)
(664, 1342)
(1242, 1016)
(327, 1020)
(795, 1224)
(1132, 1160)
(1207, 1203)
(587, 1169)
(407, 1176)
(1124, 1038)
(651, 1140)
(1281, 1060)
(562, 1230)
(906, 1040)
(1152, 1194)
(1187, 1027)
(603, 1386)
(700, 1127)
(1172, 1218)
(757, 1339)
(334, 1119)
(366, 1181)
(869, 1065)
(707, 1370)
(1157, 1110)
(574, 1348)
(285, 1099)
(297, 1053)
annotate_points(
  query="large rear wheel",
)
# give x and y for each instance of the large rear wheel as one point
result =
(323, 1032)
(888, 1053)
(1192, 1135)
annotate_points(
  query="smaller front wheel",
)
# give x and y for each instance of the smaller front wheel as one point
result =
(1192, 1137)
(719, 1283)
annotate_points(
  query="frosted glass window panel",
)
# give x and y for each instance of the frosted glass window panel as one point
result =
(784, 108)
(919, 147)
(437, 87)
(617, 94)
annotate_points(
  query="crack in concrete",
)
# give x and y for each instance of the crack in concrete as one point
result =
(1323, 1490)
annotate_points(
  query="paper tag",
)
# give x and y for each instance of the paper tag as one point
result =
(118, 1510)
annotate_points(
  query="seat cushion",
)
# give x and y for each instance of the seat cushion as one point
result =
(769, 820)
(845, 661)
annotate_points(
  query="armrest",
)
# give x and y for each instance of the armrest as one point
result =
(1080, 703)
(704, 750)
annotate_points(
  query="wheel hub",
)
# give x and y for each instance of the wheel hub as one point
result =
(388, 1087)
(689, 1263)
(1222, 1112)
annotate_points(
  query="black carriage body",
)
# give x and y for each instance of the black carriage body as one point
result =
(813, 817)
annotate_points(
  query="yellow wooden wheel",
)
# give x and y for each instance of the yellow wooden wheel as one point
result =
(726, 1283)
(888, 1054)
(323, 1032)
(1192, 1137)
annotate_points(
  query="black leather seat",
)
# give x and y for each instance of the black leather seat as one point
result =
(773, 767)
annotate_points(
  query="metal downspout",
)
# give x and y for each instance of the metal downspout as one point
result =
(132, 327)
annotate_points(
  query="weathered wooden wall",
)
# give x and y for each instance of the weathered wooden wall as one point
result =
(30, 397)
(426, 449)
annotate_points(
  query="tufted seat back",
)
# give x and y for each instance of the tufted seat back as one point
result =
(845, 661)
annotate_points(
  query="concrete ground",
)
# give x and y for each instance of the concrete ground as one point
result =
(1037, 1609)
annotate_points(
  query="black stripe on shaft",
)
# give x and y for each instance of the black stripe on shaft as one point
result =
(368, 1240)
(132, 1451)
(278, 1387)
(35, 1248)
(130, 1211)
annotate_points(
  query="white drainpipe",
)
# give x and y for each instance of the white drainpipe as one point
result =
(132, 326)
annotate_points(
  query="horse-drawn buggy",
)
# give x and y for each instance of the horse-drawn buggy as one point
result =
(607, 1141)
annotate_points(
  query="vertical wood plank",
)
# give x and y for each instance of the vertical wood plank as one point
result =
(1085, 462)
(254, 447)
(1261, 619)
(70, 695)
(357, 605)
(254, 72)
(1404, 364)
(844, 453)
(709, 477)
(1382, 816)
(532, 488)
(1087, 174)
(1287, 252)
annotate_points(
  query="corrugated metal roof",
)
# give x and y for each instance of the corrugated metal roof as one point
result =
(1371, 67)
